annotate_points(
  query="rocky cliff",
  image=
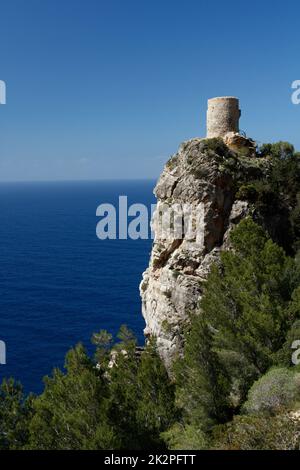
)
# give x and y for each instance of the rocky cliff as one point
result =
(207, 174)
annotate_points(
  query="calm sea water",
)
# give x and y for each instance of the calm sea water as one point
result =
(58, 282)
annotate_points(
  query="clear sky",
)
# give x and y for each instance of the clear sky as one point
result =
(108, 89)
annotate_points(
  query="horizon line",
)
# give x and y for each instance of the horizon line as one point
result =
(77, 180)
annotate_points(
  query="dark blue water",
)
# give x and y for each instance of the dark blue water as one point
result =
(58, 282)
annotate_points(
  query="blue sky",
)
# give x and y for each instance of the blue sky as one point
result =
(108, 89)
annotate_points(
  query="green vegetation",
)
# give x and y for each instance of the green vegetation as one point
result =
(15, 415)
(235, 386)
(279, 388)
(215, 145)
(274, 193)
(247, 312)
(258, 433)
(122, 405)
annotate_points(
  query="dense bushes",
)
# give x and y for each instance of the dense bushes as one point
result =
(275, 194)
(279, 388)
(280, 432)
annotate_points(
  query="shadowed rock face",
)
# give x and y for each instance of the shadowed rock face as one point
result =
(202, 174)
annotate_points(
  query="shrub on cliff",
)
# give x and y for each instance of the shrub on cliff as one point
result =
(275, 193)
(216, 145)
(280, 150)
(279, 388)
(189, 437)
(280, 432)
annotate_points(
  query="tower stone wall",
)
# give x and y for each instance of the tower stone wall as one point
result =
(223, 116)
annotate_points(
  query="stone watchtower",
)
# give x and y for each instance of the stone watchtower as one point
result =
(223, 116)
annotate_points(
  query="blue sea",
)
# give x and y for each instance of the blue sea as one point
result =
(58, 282)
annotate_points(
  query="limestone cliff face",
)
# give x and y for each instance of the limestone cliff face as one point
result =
(203, 173)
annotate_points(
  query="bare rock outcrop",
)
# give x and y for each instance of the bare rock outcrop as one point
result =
(238, 142)
(201, 176)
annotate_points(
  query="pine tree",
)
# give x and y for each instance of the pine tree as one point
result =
(71, 413)
(156, 410)
(242, 324)
(15, 415)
